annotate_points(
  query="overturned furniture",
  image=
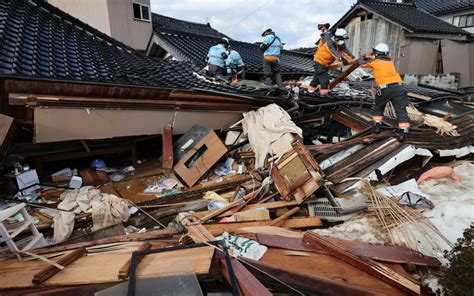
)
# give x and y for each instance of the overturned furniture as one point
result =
(297, 174)
(196, 152)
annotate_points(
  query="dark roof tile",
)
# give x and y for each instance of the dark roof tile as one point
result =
(412, 18)
(444, 6)
(37, 40)
(194, 48)
(168, 23)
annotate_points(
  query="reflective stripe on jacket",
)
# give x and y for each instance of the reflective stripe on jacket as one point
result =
(233, 60)
(216, 56)
(384, 70)
(328, 51)
(275, 48)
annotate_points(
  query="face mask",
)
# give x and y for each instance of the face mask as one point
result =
(340, 42)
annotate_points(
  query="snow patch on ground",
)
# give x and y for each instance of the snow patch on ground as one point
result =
(454, 202)
(362, 228)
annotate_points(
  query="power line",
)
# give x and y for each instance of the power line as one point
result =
(249, 15)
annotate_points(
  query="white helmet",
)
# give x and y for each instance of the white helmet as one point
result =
(381, 48)
(341, 33)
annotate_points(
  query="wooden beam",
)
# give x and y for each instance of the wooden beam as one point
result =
(230, 206)
(167, 147)
(248, 284)
(280, 220)
(125, 269)
(368, 265)
(150, 235)
(266, 205)
(196, 231)
(343, 75)
(232, 227)
(51, 270)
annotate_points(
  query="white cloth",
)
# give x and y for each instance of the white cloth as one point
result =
(106, 210)
(269, 129)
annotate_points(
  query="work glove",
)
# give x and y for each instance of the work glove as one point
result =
(344, 61)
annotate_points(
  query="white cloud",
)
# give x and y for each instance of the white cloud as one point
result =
(294, 21)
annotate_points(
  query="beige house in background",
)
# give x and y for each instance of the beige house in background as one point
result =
(128, 21)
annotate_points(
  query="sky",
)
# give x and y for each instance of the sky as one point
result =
(294, 21)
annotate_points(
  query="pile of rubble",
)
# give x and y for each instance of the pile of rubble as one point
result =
(254, 210)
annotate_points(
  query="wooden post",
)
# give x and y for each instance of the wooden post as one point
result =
(343, 75)
(51, 270)
(167, 147)
(366, 264)
(280, 220)
(125, 270)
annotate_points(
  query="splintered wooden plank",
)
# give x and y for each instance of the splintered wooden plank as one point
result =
(103, 267)
(393, 254)
(125, 270)
(280, 220)
(167, 157)
(248, 284)
(51, 270)
(295, 223)
(368, 265)
(5, 125)
(329, 275)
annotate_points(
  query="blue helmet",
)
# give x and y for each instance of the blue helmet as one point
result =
(98, 164)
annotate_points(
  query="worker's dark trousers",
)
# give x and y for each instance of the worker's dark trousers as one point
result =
(321, 76)
(240, 70)
(397, 95)
(271, 70)
(215, 70)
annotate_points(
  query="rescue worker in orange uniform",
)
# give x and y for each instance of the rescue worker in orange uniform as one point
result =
(324, 29)
(389, 88)
(329, 49)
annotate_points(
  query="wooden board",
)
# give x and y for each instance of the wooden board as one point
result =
(133, 189)
(329, 268)
(268, 206)
(295, 223)
(393, 254)
(104, 267)
(273, 231)
(252, 215)
(5, 124)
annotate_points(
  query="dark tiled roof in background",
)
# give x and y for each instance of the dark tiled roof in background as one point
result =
(168, 23)
(192, 44)
(444, 6)
(37, 40)
(412, 18)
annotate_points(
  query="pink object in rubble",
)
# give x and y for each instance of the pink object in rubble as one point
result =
(438, 173)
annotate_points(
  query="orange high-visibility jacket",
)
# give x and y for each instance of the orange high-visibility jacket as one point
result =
(328, 51)
(384, 70)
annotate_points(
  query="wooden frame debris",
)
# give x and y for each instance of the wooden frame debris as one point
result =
(297, 174)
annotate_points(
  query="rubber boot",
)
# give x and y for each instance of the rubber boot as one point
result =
(268, 82)
(377, 128)
(402, 134)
